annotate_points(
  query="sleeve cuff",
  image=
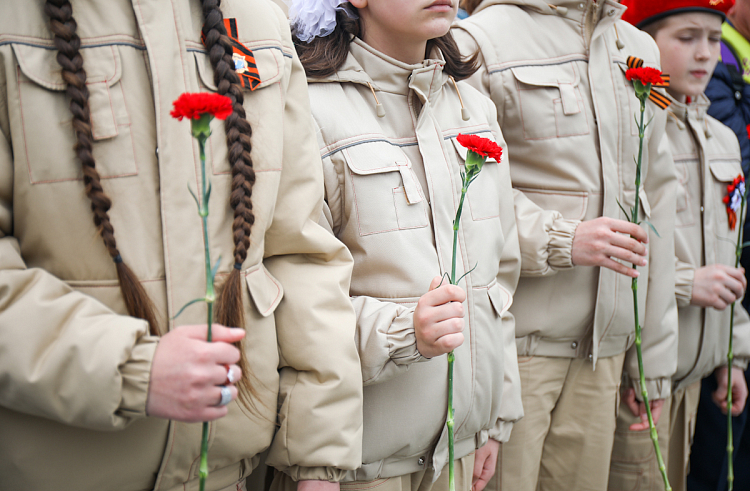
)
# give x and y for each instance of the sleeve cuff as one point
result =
(402, 341)
(501, 431)
(331, 474)
(683, 285)
(136, 376)
(657, 388)
(560, 247)
(740, 363)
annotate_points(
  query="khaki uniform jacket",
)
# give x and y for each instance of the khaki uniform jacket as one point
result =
(392, 189)
(568, 115)
(74, 369)
(707, 158)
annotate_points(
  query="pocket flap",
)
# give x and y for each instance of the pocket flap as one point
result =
(265, 290)
(548, 75)
(645, 204)
(380, 157)
(40, 65)
(463, 151)
(500, 298)
(725, 170)
(268, 59)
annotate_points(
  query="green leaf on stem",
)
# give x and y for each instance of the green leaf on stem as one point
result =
(202, 299)
(651, 226)
(627, 215)
(215, 268)
(195, 197)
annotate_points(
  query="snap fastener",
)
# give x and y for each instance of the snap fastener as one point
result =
(737, 95)
(157, 152)
(421, 461)
(574, 344)
(591, 356)
(581, 6)
(611, 13)
(702, 209)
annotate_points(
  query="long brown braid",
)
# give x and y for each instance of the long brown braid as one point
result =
(68, 45)
(229, 306)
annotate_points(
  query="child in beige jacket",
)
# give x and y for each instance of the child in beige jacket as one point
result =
(707, 159)
(388, 102)
(555, 71)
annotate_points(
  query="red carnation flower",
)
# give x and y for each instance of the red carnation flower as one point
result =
(194, 105)
(482, 146)
(645, 75)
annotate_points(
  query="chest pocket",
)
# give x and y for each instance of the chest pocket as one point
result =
(386, 193)
(46, 117)
(484, 193)
(724, 171)
(261, 106)
(550, 101)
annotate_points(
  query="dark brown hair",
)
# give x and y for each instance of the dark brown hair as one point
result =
(323, 56)
(470, 5)
(229, 306)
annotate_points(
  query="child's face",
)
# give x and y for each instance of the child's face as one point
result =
(690, 46)
(405, 24)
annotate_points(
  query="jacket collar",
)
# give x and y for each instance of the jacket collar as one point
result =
(696, 110)
(570, 9)
(367, 66)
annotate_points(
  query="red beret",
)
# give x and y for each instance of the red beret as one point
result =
(643, 12)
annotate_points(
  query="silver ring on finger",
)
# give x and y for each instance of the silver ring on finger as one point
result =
(230, 375)
(226, 396)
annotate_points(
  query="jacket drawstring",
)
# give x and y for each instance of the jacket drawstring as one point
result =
(464, 113)
(620, 45)
(677, 120)
(561, 11)
(380, 110)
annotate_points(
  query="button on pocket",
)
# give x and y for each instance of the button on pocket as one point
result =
(386, 193)
(43, 92)
(550, 101)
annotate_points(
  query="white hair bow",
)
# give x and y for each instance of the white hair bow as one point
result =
(313, 18)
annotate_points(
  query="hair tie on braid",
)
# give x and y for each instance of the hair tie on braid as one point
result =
(238, 266)
(67, 42)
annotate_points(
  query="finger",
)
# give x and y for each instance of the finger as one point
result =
(213, 395)
(624, 242)
(227, 334)
(630, 229)
(735, 287)
(440, 313)
(628, 397)
(620, 268)
(442, 295)
(656, 407)
(220, 354)
(449, 342)
(643, 425)
(220, 374)
(625, 255)
(478, 467)
(726, 297)
(436, 281)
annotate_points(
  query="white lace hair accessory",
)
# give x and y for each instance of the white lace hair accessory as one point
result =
(313, 18)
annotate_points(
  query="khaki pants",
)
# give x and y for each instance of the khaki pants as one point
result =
(564, 440)
(633, 459)
(418, 481)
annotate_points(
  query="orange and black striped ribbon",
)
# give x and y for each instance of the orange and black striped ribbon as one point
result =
(660, 100)
(242, 57)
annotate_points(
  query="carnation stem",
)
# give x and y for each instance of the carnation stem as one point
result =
(210, 295)
(730, 354)
(634, 286)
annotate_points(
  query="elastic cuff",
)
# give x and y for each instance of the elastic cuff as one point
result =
(501, 431)
(331, 474)
(560, 247)
(683, 286)
(657, 388)
(136, 375)
(402, 340)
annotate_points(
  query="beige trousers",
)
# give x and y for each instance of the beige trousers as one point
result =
(634, 464)
(418, 481)
(564, 440)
